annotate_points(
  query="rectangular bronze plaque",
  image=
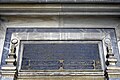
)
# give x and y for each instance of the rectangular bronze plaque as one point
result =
(56, 56)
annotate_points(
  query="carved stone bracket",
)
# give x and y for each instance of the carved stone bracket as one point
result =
(9, 70)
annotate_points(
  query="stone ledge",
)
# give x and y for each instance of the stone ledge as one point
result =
(62, 78)
(8, 74)
(8, 67)
(10, 60)
(61, 73)
(113, 68)
(113, 72)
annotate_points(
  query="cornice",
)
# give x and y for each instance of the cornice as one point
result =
(59, 1)
(59, 9)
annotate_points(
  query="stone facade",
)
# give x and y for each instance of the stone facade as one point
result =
(60, 1)
(60, 16)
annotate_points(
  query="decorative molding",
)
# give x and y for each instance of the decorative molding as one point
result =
(59, 9)
(70, 36)
(58, 36)
(59, 1)
(17, 32)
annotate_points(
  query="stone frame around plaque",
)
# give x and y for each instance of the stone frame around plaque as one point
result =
(56, 36)
(99, 43)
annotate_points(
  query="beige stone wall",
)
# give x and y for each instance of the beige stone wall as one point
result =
(62, 21)
(58, 22)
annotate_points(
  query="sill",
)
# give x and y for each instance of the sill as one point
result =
(62, 73)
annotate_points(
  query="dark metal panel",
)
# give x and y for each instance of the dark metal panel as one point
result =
(47, 56)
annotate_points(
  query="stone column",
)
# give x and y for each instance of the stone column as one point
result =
(9, 70)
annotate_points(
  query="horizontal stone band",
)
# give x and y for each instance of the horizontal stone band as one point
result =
(59, 1)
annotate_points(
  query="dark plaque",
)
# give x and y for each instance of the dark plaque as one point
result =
(56, 56)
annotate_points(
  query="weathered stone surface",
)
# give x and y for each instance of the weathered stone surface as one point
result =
(59, 9)
(57, 22)
(59, 1)
(65, 78)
